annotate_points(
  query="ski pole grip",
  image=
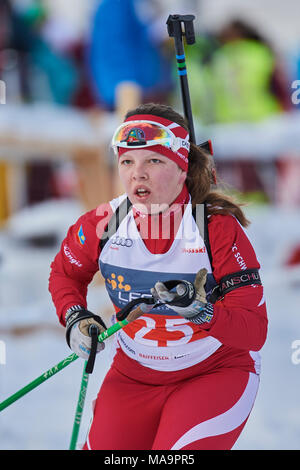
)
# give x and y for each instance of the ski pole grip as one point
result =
(185, 292)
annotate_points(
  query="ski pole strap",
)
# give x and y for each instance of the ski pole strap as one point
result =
(93, 332)
(233, 281)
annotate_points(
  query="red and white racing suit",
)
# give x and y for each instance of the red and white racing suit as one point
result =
(172, 384)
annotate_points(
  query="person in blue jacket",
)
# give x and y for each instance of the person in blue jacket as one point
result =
(122, 49)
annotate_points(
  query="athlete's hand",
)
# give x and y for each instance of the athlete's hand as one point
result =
(78, 330)
(197, 309)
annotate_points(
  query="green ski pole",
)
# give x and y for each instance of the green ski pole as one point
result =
(88, 369)
(58, 367)
(130, 316)
(79, 409)
(125, 316)
(38, 381)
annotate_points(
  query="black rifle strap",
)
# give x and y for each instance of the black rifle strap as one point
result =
(115, 221)
(201, 219)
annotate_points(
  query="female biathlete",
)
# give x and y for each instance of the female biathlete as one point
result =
(182, 377)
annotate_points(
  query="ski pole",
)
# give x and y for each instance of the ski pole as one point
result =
(79, 408)
(87, 369)
(38, 381)
(133, 315)
(125, 316)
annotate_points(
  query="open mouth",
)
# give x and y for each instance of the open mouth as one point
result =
(142, 192)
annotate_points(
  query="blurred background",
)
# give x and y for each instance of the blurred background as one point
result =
(69, 70)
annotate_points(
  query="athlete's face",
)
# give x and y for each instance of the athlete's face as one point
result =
(151, 180)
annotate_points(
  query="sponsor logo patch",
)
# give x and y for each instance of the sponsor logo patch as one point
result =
(194, 250)
(117, 282)
(121, 241)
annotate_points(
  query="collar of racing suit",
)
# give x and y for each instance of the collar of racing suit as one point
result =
(158, 230)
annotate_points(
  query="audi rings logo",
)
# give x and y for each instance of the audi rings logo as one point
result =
(120, 241)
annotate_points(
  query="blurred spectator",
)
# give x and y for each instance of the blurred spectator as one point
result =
(53, 74)
(123, 49)
(129, 60)
(44, 73)
(239, 79)
(66, 40)
(12, 52)
(39, 72)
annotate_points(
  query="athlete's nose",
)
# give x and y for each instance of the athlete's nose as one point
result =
(139, 172)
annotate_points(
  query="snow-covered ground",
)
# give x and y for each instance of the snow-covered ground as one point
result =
(43, 419)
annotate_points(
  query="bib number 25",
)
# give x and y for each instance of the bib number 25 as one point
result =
(163, 332)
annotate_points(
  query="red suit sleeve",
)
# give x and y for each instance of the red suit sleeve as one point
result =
(76, 263)
(240, 318)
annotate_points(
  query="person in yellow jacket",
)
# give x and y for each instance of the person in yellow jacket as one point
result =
(240, 80)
